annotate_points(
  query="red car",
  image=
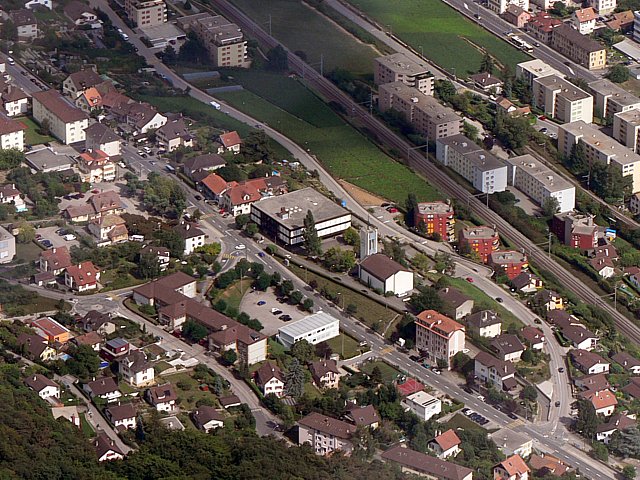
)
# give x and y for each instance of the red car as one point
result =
(542, 117)
(95, 191)
(392, 210)
(469, 279)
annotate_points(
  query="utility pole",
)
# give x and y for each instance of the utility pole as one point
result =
(321, 64)
(269, 24)
(549, 253)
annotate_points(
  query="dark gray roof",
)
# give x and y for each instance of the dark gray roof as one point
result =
(427, 464)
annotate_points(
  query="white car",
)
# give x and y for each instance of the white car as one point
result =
(69, 237)
(241, 246)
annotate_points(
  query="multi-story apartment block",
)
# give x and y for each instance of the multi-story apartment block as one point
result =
(436, 217)
(66, 122)
(582, 50)
(603, 7)
(146, 13)
(400, 68)
(482, 240)
(626, 126)
(326, 434)
(428, 116)
(500, 6)
(438, 336)
(25, 23)
(540, 183)
(494, 371)
(7, 246)
(533, 69)
(223, 40)
(611, 99)
(11, 134)
(541, 26)
(599, 147)
(511, 262)
(636, 26)
(575, 230)
(483, 170)
(561, 99)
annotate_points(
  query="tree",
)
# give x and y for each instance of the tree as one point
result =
(187, 5)
(470, 131)
(169, 55)
(487, 65)
(550, 207)
(303, 351)
(193, 331)
(229, 357)
(444, 90)
(618, 73)
(294, 379)
(338, 260)
(445, 263)
(513, 132)
(9, 31)
(307, 304)
(242, 220)
(232, 173)
(629, 472)
(277, 59)
(426, 299)
(530, 393)
(26, 233)
(84, 362)
(559, 9)
(286, 287)
(193, 49)
(262, 282)
(148, 266)
(296, 297)
(394, 250)
(173, 241)
(527, 355)
(411, 206)
(10, 158)
(588, 420)
(376, 376)
(609, 184)
(627, 442)
(251, 230)
(310, 234)
(261, 171)
(164, 196)
(351, 236)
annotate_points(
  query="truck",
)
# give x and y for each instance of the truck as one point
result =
(215, 105)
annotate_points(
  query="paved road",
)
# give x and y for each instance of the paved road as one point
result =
(23, 81)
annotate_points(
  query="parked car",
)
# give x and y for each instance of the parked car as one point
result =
(285, 318)
(469, 279)
(261, 302)
(197, 197)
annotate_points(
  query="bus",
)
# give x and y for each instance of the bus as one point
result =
(521, 44)
(170, 169)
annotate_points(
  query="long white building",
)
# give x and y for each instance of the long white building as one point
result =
(561, 99)
(535, 68)
(314, 328)
(540, 183)
(626, 129)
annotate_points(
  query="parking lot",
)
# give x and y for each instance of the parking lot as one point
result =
(271, 322)
(49, 233)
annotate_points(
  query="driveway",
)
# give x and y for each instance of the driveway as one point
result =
(49, 233)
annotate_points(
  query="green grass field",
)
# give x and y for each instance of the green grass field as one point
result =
(286, 105)
(448, 38)
(302, 28)
(388, 372)
(351, 346)
(31, 135)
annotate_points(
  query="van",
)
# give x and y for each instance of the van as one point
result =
(11, 61)
(215, 105)
(125, 37)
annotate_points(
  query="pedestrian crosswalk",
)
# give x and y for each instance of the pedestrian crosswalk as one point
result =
(386, 350)
(515, 424)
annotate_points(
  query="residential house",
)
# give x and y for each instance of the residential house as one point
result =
(545, 464)
(99, 322)
(7, 246)
(580, 337)
(423, 405)
(445, 445)
(122, 416)
(53, 331)
(115, 348)
(603, 267)
(399, 67)
(507, 107)
(603, 7)
(65, 121)
(526, 283)
(595, 382)
(436, 219)
(516, 15)
(89, 101)
(604, 401)
(230, 401)
(487, 82)
(484, 323)
(561, 99)
(25, 23)
(325, 434)
(106, 449)
(135, 369)
(627, 361)
(562, 319)
(633, 388)
(270, 379)
(229, 142)
(513, 442)
(207, 418)
(237, 200)
(508, 347)
(581, 49)
(203, 165)
(103, 387)
(79, 81)
(213, 186)
(483, 240)
(96, 167)
(421, 464)
(91, 339)
(456, 303)
(43, 386)
(168, 290)
(615, 423)
(55, 260)
(363, 416)
(104, 203)
(509, 262)
(513, 468)
(36, 4)
(193, 237)
(533, 337)
(100, 137)
(325, 374)
(10, 195)
(439, 337)
(34, 347)
(494, 371)
(14, 100)
(548, 300)
(163, 398)
(81, 15)
(70, 414)
(12, 134)
(108, 230)
(382, 273)
(141, 117)
(82, 277)
(621, 21)
(588, 362)
(500, 6)
(541, 26)
(174, 134)
(162, 254)
(584, 20)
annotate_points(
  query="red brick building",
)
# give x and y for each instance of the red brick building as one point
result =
(482, 240)
(575, 230)
(436, 217)
(509, 261)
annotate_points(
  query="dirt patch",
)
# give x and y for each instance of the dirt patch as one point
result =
(361, 196)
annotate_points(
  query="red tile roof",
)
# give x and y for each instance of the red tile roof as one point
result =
(585, 15)
(230, 139)
(447, 440)
(515, 465)
(8, 125)
(57, 258)
(59, 106)
(436, 321)
(83, 273)
(217, 184)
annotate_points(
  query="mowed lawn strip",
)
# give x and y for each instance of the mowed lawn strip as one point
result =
(389, 373)
(447, 37)
(302, 28)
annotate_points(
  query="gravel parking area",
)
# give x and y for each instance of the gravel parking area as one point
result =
(49, 233)
(271, 322)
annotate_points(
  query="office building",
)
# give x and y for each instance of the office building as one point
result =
(561, 99)
(398, 67)
(582, 50)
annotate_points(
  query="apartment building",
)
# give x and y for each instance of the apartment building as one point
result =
(494, 371)
(482, 240)
(223, 39)
(500, 6)
(561, 99)
(484, 171)
(7, 246)
(636, 26)
(626, 126)
(12, 134)
(575, 230)
(603, 7)
(600, 148)
(66, 122)
(536, 68)
(439, 336)
(541, 26)
(146, 13)
(511, 262)
(611, 99)
(428, 116)
(326, 434)
(400, 68)
(436, 218)
(540, 183)
(582, 50)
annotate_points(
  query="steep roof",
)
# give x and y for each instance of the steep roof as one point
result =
(34, 344)
(267, 371)
(121, 412)
(102, 386)
(364, 416)
(9, 125)
(199, 162)
(484, 318)
(507, 343)
(514, 465)
(161, 394)
(39, 382)
(85, 78)
(321, 367)
(381, 266)
(427, 464)
(585, 359)
(188, 230)
(502, 367)
(104, 444)
(217, 184)
(626, 360)
(57, 258)
(205, 414)
(532, 335)
(437, 321)
(329, 425)
(59, 106)
(100, 133)
(447, 440)
(91, 338)
(453, 297)
(600, 398)
(83, 273)
(230, 139)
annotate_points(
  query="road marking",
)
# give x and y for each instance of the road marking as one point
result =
(387, 350)
(515, 423)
